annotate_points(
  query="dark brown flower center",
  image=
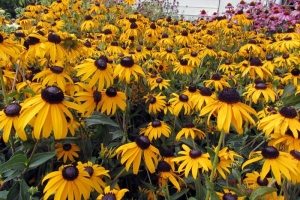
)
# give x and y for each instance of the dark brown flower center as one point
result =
(163, 166)
(70, 173)
(216, 77)
(270, 152)
(127, 62)
(184, 33)
(229, 95)
(269, 57)
(88, 17)
(285, 56)
(67, 147)
(194, 54)
(195, 153)
(1, 38)
(295, 154)
(183, 62)
(107, 32)
(56, 69)
(133, 25)
(230, 196)
(189, 125)
(100, 64)
(183, 98)
(159, 80)
(109, 197)
(54, 38)
(142, 142)
(12, 110)
(52, 95)
(152, 100)
(75, 79)
(295, 72)
(88, 44)
(168, 153)
(288, 112)
(192, 88)
(97, 96)
(89, 169)
(152, 26)
(205, 91)
(263, 182)
(261, 86)
(156, 123)
(256, 62)
(164, 35)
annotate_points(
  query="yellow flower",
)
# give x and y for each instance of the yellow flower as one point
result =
(111, 99)
(155, 129)
(182, 67)
(66, 151)
(260, 90)
(156, 102)
(218, 81)
(189, 129)
(181, 101)
(253, 180)
(112, 194)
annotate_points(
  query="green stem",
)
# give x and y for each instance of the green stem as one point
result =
(167, 190)
(125, 115)
(198, 187)
(119, 174)
(3, 88)
(215, 162)
(31, 157)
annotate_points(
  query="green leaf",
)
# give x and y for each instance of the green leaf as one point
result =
(288, 90)
(12, 174)
(192, 198)
(179, 194)
(13, 193)
(237, 191)
(24, 194)
(210, 187)
(98, 118)
(149, 186)
(211, 153)
(17, 161)
(236, 174)
(117, 134)
(3, 195)
(261, 191)
(40, 158)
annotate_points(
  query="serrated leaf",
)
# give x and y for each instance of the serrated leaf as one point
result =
(179, 194)
(98, 118)
(40, 158)
(261, 191)
(17, 161)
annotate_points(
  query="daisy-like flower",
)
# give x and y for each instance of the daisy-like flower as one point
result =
(296, 157)
(181, 101)
(50, 110)
(191, 91)
(226, 158)
(8, 48)
(192, 160)
(287, 118)
(256, 68)
(253, 180)
(218, 81)
(167, 156)
(230, 111)
(293, 76)
(156, 102)
(96, 172)
(132, 153)
(193, 59)
(88, 24)
(204, 97)
(168, 55)
(113, 194)
(67, 151)
(155, 129)
(258, 91)
(69, 182)
(9, 119)
(54, 49)
(126, 68)
(100, 72)
(286, 61)
(182, 67)
(276, 161)
(189, 129)
(160, 83)
(184, 38)
(111, 99)
(229, 195)
(287, 141)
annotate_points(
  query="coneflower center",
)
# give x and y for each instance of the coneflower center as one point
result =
(52, 95)
(261, 86)
(195, 153)
(183, 98)
(111, 92)
(230, 196)
(152, 100)
(142, 142)
(263, 182)
(256, 62)
(229, 95)
(88, 17)
(288, 112)
(295, 72)
(54, 38)
(56, 69)
(163, 166)
(100, 64)
(192, 88)
(67, 147)
(127, 62)
(159, 80)
(216, 77)
(194, 54)
(89, 169)
(270, 152)
(205, 91)
(295, 154)
(97, 96)
(70, 173)
(156, 123)
(12, 110)
(183, 62)
(189, 125)
(1, 38)
(109, 197)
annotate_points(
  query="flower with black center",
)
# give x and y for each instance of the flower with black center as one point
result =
(8, 48)
(184, 38)
(127, 68)
(155, 129)
(133, 152)
(97, 173)
(296, 157)
(182, 67)
(202, 98)
(181, 101)
(69, 182)
(192, 160)
(253, 180)
(9, 120)
(96, 72)
(259, 91)
(168, 55)
(189, 129)
(226, 158)
(286, 118)
(88, 23)
(112, 194)
(49, 109)
(67, 151)
(229, 110)
(111, 100)
(159, 82)
(156, 102)
(193, 59)
(229, 195)
(293, 76)
(287, 141)
(217, 81)
(286, 61)
(54, 48)
(167, 156)
(256, 69)
(276, 161)
(191, 91)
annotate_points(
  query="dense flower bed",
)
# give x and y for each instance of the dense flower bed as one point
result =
(101, 102)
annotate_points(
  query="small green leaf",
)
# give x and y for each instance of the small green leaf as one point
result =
(211, 153)
(288, 90)
(98, 118)
(149, 186)
(236, 174)
(40, 158)
(261, 191)
(3, 195)
(24, 194)
(237, 191)
(179, 194)
(17, 161)
(12, 174)
(13, 193)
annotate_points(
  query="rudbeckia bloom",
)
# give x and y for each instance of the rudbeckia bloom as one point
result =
(54, 49)
(287, 141)
(226, 158)
(181, 101)
(168, 155)
(160, 83)
(165, 174)
(287, 118)
(253, 180)
(258, 91)
(229, 195)
(156, 102)
(113, 194)
(276, 161)
(67, 151)
(8, 48)
(182, 67)
(100, 72)
(189, 129)
(155, 129)
(192, 160)
(50, 110)
(256, 68)
(96, 173)
(218, 81)
(230, 111)
(9, 119)
(69, 182)
(204, 97)
(131, 153)
(111, 100)
(193, 59)
(126, 68)
(293, 77)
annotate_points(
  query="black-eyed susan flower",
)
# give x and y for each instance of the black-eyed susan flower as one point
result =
(293, 77)
(8, 48)
(54, 49)
(256, 69)
(155, 129)
(260, 90)
(217, 81)
(253, 180)
(229, 195)
(286, 61)
(126, 68)
(167, 156)
(182, 67)
(96, 172)
(132, 154)
(67, 151)
(181, 101)
(192, 160)
(287, 118)
(168, 55)
(88, 24)
(165, 41)
(191, 91)
(160, 83)
(189, 129)
(203, 98)
(50, 110)
(276, 161)
(156, 102)
(112, 194)
(230, 111)
(184, 38)
(111, 99)
(287, 141)
(226, 158)
(99, 71)
(269, 110)
(193, 59)
(9, 119)
(69, 182)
